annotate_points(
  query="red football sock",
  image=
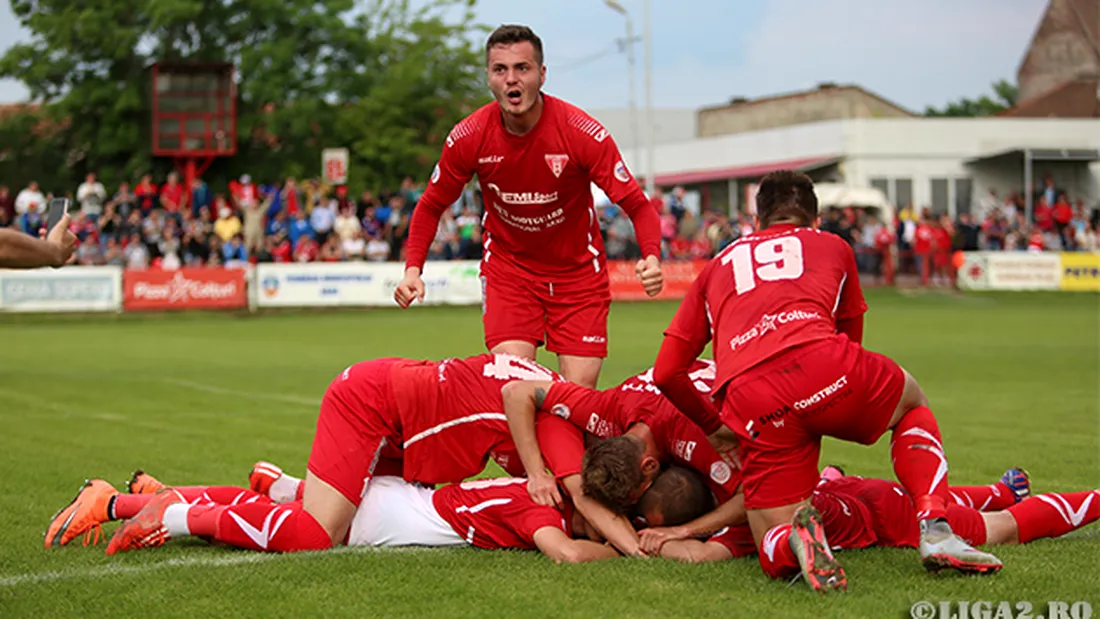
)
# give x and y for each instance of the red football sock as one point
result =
(920, 463)
(273, 528)
(128, 505)
(1055, 514)
(125, 506)
(991, 498)
(776, 556)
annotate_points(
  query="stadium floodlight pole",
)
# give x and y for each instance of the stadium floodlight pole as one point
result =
(647, 47)
(635, 136)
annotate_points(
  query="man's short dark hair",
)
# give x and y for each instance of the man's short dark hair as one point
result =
(611, 472)
(786, 195)
(508, 34)
(678, 495)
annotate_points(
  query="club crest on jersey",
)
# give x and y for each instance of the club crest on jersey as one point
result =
(621, 172)
(435, 173)
(557, 164)
(720, 472)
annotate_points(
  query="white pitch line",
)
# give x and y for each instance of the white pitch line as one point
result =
(275, 397)
(242, 558)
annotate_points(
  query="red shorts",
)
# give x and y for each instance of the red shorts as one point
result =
(568, 314)
(783, 407)
(358, 422)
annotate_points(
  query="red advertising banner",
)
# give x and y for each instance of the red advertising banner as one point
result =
(184, 289)
(678, 278)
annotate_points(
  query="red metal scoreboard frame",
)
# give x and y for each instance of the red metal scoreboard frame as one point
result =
(194, 115)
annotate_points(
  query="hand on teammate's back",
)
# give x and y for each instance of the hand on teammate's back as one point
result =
(648, 270)
(410, 289)
(726, 444)
(544, 490)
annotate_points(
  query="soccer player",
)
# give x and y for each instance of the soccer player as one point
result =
(641, 431)
(785, 311)
(860, 513)
(489, 513)
(544, 272)
(440, 419)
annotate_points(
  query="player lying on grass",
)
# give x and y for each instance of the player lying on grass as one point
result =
(646, 433)
(784, 309)
(857, 512)
(663, 433)
(491, 514)
(441, 420)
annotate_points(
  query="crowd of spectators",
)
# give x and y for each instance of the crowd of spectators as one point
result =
(156, 224)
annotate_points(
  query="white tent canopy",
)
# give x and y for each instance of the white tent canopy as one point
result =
(832, 194)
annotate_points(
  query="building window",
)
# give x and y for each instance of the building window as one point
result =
(903, 192)
(883, 185)
(940, 198)
(964, 195)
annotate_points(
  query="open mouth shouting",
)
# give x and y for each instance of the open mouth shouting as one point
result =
(514, 96)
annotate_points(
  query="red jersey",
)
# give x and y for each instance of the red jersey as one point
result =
(171, 197)
(941, 237)
(496, 513)
(922, 242)
(767, 293)
(608, 413)
(452, 415)
(539, 212)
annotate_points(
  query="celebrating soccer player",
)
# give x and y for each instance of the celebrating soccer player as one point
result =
(544, 271)
(785, 311)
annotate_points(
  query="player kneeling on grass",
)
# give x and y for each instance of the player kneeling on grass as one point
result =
(488, 513)
(858, 512)
(442, 420)
(785, 311)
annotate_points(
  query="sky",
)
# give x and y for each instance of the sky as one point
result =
(705, 52)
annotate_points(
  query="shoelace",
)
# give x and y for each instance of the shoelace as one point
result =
(94, 535)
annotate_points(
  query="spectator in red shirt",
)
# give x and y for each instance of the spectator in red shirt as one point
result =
(171, 196)
(146, 193)
(1062, 214)
(941, 241)
(1035, 240)
(922, 247)
(1044, 215)
(306, 250)
(281, 251)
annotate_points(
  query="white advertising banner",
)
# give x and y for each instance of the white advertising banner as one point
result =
(362, 284)
(68, 289)
(1009, 270)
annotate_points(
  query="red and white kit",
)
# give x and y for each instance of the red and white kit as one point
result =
(543, 269)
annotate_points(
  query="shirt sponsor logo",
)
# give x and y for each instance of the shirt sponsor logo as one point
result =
(490, 159)
(820, 396)
(771, 322)
(524, 198)
(684, 450)
(621, 172)
(557, 164)
(599, 427)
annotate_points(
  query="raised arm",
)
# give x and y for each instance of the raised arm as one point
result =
(23, 251)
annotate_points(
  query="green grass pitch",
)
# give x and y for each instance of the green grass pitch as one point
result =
(1013, 378)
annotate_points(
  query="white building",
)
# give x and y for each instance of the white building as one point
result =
(946, 164)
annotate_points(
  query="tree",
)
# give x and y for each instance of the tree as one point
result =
(1005, 95)
(384, 80)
